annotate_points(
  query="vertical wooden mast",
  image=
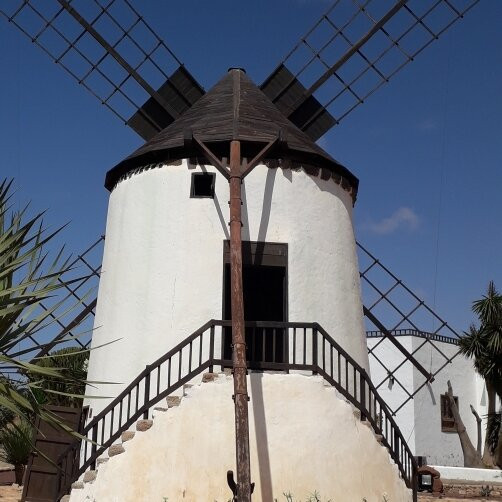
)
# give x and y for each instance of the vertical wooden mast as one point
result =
(238, 335)
(237, 300)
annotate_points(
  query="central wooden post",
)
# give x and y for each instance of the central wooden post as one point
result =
(238, 333)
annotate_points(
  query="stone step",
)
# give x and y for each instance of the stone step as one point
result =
(102, 460)
(143, 425)
(115, 449)
(173, 401)
(209, 377)
(127, 436)
(77, 485)
(90, 476)
(161, 409)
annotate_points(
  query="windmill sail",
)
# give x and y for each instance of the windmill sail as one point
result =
(354, 48)
(109, 49)
(389, 300)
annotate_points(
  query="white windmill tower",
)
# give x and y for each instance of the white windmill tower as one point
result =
(166, 266)
(171, 281)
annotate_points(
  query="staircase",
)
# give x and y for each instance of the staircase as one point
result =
(282, 346)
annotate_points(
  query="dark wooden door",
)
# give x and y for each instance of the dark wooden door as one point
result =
(264, 277)
(41, 475)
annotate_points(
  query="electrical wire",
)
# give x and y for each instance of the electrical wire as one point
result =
(442, 169)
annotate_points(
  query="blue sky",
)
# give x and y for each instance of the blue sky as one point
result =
(426, 147)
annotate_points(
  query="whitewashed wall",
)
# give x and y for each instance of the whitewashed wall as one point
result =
(163, 262)
(420, 418)
(394, 394)
(294, 447)
(443, 448)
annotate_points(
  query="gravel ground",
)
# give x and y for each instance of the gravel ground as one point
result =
(10, 493)
(13, 494)
(430, 498)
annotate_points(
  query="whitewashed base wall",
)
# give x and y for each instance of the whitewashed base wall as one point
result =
(302, 437)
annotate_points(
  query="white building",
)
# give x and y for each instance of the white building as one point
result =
(420, 408)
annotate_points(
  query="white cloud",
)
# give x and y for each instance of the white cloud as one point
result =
(403, 218)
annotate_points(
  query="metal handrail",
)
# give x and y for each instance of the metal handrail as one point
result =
(414, 332)
(284, 346)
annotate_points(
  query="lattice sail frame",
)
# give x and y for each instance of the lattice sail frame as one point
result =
(351, 52)
(404, 314)
(112, 52)
(70, 310)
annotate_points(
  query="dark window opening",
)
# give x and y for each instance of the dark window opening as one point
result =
(264, 277)
(447, 419)
(202, 185)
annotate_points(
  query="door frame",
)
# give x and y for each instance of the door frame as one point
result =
(271, 254)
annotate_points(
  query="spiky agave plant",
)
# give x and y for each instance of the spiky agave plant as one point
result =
(27, 277)
(16, 446)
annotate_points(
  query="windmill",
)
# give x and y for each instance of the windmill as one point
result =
(353, 50)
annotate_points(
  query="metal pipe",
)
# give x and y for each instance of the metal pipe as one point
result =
(238, 335)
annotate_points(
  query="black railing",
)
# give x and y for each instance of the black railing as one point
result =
(285, 346)
(414, 332)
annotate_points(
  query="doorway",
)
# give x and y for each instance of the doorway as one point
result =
(264, 277)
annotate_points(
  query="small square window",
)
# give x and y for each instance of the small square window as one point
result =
(447, 419)
(202, 185)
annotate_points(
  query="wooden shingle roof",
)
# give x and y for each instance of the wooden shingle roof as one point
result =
(234, 109)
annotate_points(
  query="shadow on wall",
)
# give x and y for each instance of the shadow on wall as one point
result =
(261, 437)
(265, 211)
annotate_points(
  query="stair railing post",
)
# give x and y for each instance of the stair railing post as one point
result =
(414, 482)
(396, 445)
(314, 350)
(362, 396)
(211, 348)
(94, 445)
(147, 391)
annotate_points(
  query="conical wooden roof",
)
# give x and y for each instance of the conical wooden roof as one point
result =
(234, 109)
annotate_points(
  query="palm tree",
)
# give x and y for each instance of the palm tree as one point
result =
(484, 344)
(27, 277)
